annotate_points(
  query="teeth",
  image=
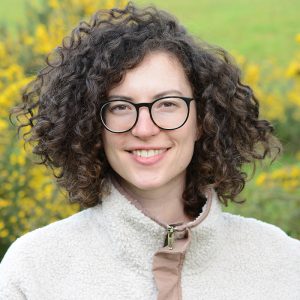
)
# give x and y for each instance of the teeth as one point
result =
(147, 153)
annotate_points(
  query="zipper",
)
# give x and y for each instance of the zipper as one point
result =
(170, 236)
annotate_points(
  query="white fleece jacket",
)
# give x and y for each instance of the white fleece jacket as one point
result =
(106, 252)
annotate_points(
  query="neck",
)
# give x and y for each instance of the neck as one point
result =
(163, 204)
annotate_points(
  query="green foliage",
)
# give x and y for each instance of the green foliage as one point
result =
(274, 205)
(258, 30)
(29, 197)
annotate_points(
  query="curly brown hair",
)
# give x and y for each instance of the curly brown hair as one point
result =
(62, 105)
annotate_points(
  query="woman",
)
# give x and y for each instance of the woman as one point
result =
(149, 129)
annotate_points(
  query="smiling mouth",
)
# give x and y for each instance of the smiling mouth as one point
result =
(148, 153)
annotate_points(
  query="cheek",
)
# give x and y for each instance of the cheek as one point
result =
(104, 140)
(109, 145)
(187, 143)
(113, 144)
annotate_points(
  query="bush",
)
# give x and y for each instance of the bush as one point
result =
(29, 197)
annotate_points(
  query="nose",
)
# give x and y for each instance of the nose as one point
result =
(144, 127)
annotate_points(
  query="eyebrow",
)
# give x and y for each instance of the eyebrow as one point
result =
(156, 96)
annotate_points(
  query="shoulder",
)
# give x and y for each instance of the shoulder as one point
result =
(65, 228)
(262, 238)
(251, 228)
(47, 254)
(53, 238)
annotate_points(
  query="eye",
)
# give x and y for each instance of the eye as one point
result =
(169, 104)
(120, 107)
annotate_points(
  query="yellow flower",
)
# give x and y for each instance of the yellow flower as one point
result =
(1, 225)
(273, 108)
(28, 40)
(4, 203)
(47, 191)
(3, 125)
(293, 184)
(13, 219)
(3, 53)
(43, 45)
(38, 211)
(29, 196)
(295, 172)
(14, 72)
(110, 3)
(293, 69)
(123, 3)
(21, 194)
(252, 74)
(13, 159)
(294, 97)
(4, 233)
(297, 38)
(240, 59)
(278, 174)
(21, 160)
(21, 214)
(53, 4)
(261, 179)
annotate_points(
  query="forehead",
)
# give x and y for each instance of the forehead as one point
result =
(157, 73)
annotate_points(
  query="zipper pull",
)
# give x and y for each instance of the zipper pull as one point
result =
(170, 237)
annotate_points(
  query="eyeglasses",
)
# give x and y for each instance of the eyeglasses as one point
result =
(167, 113)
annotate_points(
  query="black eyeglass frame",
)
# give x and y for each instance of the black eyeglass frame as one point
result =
(149, 105)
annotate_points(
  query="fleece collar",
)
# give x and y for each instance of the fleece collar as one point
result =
(135, 237)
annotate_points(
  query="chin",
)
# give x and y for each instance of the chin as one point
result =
(145, 184)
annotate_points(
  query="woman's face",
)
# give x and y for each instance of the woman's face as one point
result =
(131, 154)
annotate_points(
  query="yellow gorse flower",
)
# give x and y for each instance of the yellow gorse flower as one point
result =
(54, 4)
(287, 178)
(252, 74)
(27, 189)
(293, 69)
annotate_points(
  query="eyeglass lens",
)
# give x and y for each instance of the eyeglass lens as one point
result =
(166, 113)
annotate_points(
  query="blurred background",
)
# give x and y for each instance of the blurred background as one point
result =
(264, 38)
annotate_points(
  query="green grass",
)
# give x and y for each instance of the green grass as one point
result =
(12, 13)
(259, 30)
